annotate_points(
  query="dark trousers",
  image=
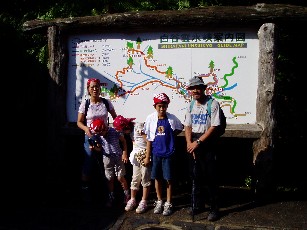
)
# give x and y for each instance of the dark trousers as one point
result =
(203, 173)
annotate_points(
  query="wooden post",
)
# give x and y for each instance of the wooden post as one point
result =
(265, 116)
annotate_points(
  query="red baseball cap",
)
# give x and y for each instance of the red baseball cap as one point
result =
(97, 125)
(161, 98)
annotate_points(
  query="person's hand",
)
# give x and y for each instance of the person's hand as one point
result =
(88, 132)
(125, 157)
(192, 146)
(95, 148)
(146, 161)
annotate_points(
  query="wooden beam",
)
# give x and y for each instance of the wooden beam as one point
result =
(209, 16)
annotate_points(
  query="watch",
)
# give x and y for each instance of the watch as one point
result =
(198, 141)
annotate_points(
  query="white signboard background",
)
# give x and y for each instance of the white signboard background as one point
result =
(131, 72)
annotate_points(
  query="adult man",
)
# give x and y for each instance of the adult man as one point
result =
(200, 129)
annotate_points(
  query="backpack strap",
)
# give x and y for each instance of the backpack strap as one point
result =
(105, 103)
(191, 105)
(87, 104)
(209, 103)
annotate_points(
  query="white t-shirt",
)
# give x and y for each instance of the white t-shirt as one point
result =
(95, 111)
(199, 119)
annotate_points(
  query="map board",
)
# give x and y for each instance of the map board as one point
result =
(133, 67)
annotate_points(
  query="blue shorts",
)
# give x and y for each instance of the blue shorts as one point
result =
(162, 168)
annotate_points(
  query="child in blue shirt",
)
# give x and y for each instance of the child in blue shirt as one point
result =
(161, 128)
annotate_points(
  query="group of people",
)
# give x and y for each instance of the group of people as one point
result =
(153, 153)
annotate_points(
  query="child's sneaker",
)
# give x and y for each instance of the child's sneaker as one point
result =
(131, 204)
(142, 207)
(158, 207)
(167, 209)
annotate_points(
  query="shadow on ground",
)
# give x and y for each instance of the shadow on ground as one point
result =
(66, 210)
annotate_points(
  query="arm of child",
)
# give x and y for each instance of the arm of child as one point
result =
(148, 153)
(125, 151)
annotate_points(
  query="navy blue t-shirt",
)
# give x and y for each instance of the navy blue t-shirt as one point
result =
(164, 142)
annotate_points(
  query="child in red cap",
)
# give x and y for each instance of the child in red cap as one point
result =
(141, 172)
(161, 128)
(114, 156)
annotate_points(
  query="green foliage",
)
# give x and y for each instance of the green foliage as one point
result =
(184, 4)
(248, 181)
(53, 12)
(286, 189)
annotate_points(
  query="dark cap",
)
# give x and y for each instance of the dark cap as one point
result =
(194, 81)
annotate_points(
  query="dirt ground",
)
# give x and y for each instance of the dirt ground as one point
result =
(238, 211)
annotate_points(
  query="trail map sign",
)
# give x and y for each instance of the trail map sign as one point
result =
(134, 67)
